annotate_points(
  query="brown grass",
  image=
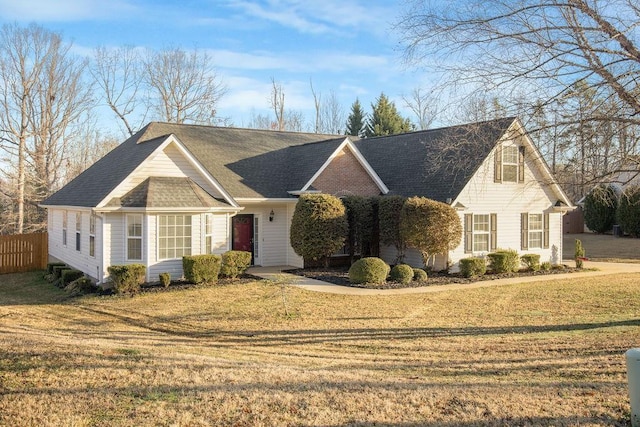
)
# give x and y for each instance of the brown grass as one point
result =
(529, 354)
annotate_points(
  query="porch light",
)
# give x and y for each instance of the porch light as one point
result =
(272, 214)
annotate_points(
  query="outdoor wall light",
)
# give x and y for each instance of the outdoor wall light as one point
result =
(272, 214)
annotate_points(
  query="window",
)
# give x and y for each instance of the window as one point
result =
(64, 228)
(78, 228)
(134, 237)
(480, 232)
(208, 233)
(174, 236)
(535, 231)
(92, 235)
(509, 164)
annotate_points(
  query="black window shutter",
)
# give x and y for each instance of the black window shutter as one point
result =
(498, 164)
(524, 226)
(545, 234)
(468, 233)
(493, 238)
(521, 163)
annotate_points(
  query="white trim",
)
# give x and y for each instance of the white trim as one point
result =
(243, 200)
(172, 139)
(170, 210)
(363, 162)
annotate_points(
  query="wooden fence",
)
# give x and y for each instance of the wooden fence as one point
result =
(23, 252)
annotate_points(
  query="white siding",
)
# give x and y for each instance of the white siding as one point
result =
(68, 254)
(292, 257)
(508, 200)
(167, 163)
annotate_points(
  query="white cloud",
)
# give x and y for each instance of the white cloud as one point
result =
(62, 10)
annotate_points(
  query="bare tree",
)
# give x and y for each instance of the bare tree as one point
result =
(184, 87)
(42, 98)
(276, 102)
(556, 50)
(423, 105)
(119, 74)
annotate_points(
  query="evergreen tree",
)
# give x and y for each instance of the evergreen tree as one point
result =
(356, 120)
(385, 119)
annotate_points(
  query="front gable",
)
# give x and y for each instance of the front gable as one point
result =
(346, 172)
(169, 160)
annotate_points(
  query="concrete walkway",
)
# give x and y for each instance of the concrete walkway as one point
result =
(276, 274)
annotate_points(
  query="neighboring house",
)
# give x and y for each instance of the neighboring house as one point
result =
(172, 190)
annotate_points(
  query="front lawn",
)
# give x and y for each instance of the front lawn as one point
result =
(259, 353)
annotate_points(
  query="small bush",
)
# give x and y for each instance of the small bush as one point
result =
(127, 278)
(234, 263)
(201, 268)
(402, 273)
(369, 270)
(472, 267)
(69, 276)
(531, 261)
(504, 261)
(50, 266)
(58, 269)
(545, 266)
(419, 275)
(165, 279)
(579, 253)
(80, 286)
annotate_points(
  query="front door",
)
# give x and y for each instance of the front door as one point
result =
(242, 233)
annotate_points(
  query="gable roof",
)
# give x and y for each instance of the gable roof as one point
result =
(434, 163)
(167, 192)
(247, 163)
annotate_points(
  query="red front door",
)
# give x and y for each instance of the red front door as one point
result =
(243, 234)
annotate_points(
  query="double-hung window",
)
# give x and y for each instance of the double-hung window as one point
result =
(174, 236)
(534, 230)
(65, 215)
(509, 163)
(480, 232)
(92, 235)
(78, 230)
(208, 233)
(134, 237)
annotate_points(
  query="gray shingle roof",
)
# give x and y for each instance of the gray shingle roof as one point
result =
(167, 192)
(251, 163)
(434, 163)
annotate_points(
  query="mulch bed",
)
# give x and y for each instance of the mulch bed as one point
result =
(340, 276)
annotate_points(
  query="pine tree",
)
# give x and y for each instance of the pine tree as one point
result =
(356, 120)
(385, 119)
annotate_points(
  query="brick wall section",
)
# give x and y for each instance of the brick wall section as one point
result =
(346, 176)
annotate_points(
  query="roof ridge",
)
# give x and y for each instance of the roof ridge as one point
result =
(155, 124)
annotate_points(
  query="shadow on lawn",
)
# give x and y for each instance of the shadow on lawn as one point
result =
(311, 336)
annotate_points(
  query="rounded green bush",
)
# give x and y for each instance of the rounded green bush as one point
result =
(402, 273)
(369, 270)
(419, 275)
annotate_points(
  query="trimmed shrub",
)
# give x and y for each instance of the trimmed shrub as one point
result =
(419, 275)
(402, 273)
(201, 268)
(234, 263)
(58, 269)
(50, 266)
(68, 276)
(389, 211)
(545, 266)
(318, 227)
(600, 208)
(429, 226)
(628, 214)
(472, 267)
(165, 279)
(361, 217)
(531, 261)
(127, 278)
(504, 261)
(579, 254)
(80, 286)
(369, 270)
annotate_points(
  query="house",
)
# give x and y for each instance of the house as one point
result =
(172, 190)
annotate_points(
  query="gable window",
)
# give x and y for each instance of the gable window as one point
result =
(480, 232)
(509, 164)
(208, 233)
(92, 235)
(174, 236)
(64, 228)
(78, 229)
(535, 230)
(134, 237)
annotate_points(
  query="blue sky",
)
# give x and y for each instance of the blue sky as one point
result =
(345, 46)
